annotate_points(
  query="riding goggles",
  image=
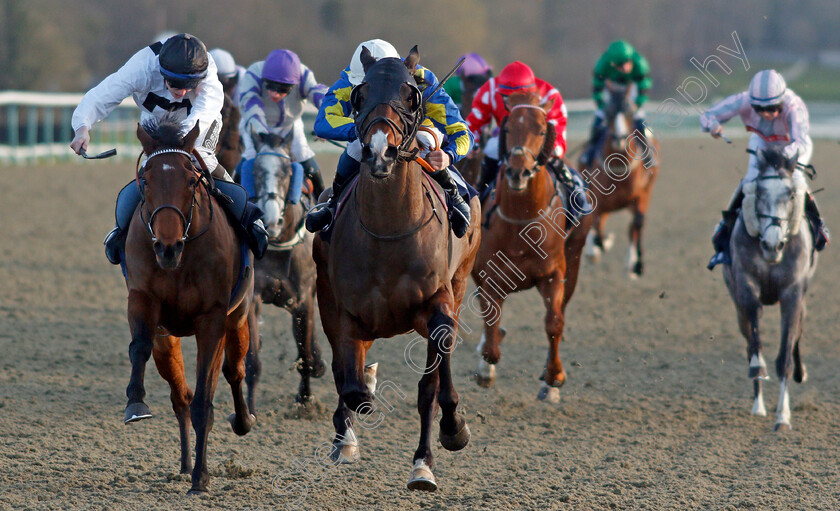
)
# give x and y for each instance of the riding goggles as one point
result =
(770, 108)
(182, 81)
(280, 88)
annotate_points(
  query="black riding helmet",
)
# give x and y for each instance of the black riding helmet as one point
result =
(183, 61)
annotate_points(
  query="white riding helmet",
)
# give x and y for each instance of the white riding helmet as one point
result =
(378, 48)
(767, 88)
(225, 65)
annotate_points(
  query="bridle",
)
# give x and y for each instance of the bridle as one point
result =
(186, 221)
(300, 232)
(410, 123)
(523, 150)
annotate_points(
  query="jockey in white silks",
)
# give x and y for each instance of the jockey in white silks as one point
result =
(174, 80)
(272, 95)
(778, 119)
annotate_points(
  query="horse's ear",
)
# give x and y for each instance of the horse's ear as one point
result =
(413, 59)
(357, 96)
(548, 144)
(189, 139)
(366, 58)
(411, 97)
(548, 105)
(145, 139)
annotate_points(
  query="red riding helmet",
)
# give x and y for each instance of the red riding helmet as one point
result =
(516, 77)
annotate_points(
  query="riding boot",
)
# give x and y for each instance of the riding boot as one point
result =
(489, 169)
(127, 201)
(250, 221)
(595, 134)
(320, 219)
(562, 172)
(723, 231)
(818, 229)
(459, 210)
(313, 172)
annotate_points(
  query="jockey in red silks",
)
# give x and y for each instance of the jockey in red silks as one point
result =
(489, 105)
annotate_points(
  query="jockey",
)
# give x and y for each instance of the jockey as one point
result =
(778, 119)
(474, 69)
(174, 79)
(274, 92)
(489, 104)
(621, 65)
(228, 71)
(335, 122)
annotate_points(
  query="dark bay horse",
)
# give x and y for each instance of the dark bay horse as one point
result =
(229, 148)
(470, 167)
(285, 276)
(185, 276)
(773, 260)
(530, 240)
(393, 266)
(620, 179)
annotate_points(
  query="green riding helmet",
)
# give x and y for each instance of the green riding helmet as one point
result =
(619, 51)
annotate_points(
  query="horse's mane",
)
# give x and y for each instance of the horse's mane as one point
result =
(167, 132)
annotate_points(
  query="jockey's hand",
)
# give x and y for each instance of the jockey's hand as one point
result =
(716, 132)
(81, 140)
(439, 160)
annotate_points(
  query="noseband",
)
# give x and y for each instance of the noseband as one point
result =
(522, 150)
(186, 221)
(410, 122)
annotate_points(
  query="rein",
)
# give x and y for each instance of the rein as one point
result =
(394, 237)
(186, 221)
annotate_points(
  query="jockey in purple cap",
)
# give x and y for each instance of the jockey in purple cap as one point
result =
(272, 96)
(471, 75)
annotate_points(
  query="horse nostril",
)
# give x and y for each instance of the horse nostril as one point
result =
(158, 246)
(781, 246)
(764, 245)
(179, 246)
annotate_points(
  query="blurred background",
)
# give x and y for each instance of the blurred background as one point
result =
(57, 46)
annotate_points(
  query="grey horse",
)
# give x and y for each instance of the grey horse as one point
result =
(285, 276)
(773, 260)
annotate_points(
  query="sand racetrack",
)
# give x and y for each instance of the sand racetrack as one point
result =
(655, 414)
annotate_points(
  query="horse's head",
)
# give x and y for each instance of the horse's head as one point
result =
(526, 139)
(774, 203)
(388, 109)
(168, 183)
(615, 110)
(469, 86)
(272, 173)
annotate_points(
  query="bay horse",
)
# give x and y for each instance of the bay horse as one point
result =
(229, 148)
(619, 178)
(392, 265)
(470, 167)
(773, 260)
(285, 276)
(186, 275)
(508, 259)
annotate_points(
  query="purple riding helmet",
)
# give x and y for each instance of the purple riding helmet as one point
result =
(474, 65)
(282, 66)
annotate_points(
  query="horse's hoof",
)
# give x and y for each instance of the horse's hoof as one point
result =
(485, 374)
(782, 427)
(608, 242)
(548, 394)
(242, 429)
(319, 369)
(422, 477)
(800, 373)
(457, 441)
(344, 454)
(136, 412)
(194, 492)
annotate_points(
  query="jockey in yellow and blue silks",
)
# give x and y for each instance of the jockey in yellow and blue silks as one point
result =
(335, 122)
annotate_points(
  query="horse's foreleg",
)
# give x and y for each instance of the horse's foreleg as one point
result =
(143, 317)
(491, 337)
(792, 314)
(800, 373)
(309, 355)
(573, 252)
(236, 347)
(749, 311)
(552, 291)
(355, 392)
(635, 265)
(170, 364)
(422, 477)
(210, 338)
(253, 365)
(345, 448)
